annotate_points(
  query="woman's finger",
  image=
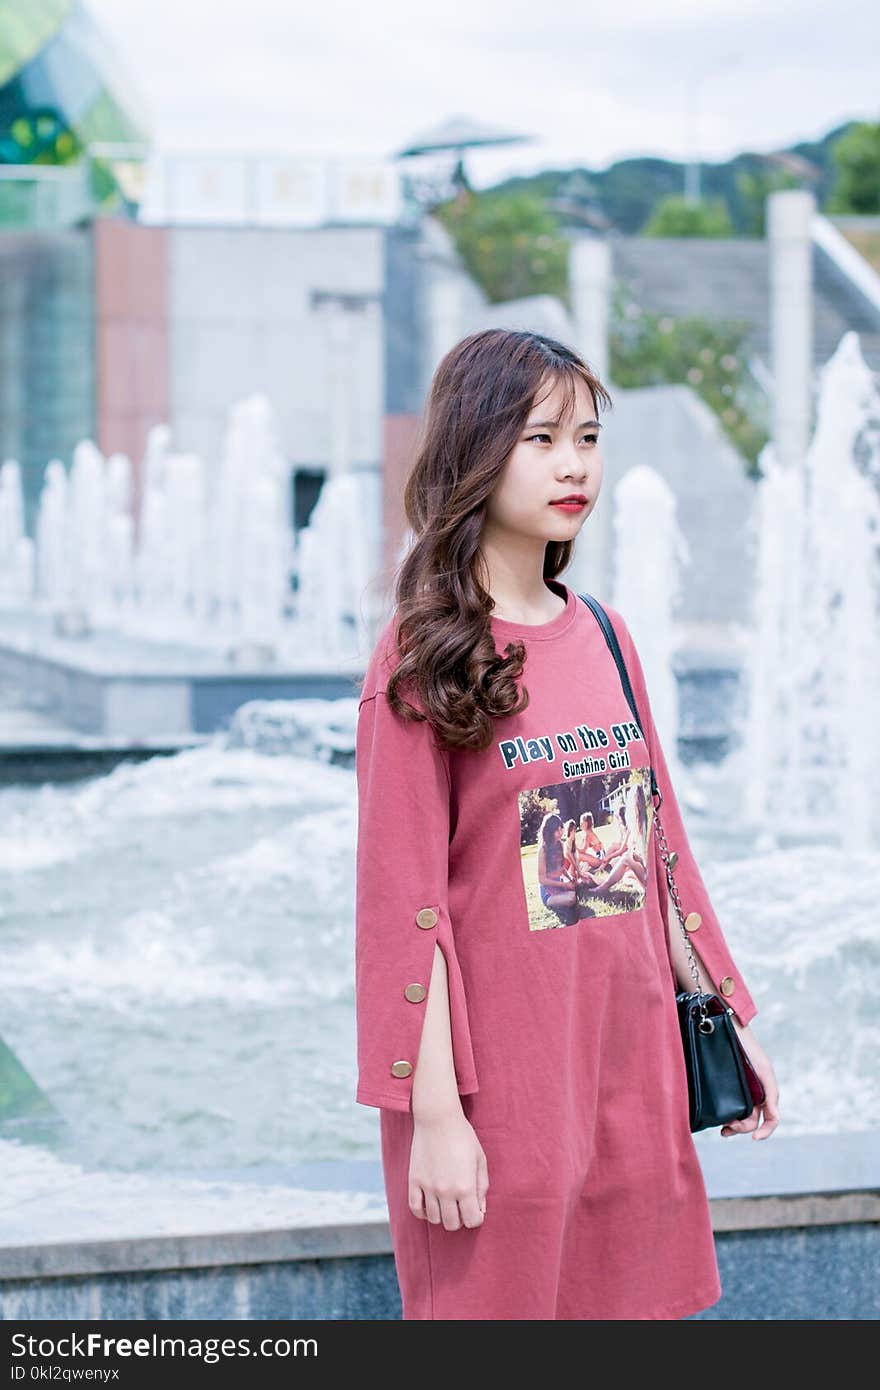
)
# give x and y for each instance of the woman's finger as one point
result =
(432, 1209)
(482, 1178)
(472, 1211)
(450, 1213)
(741, 1126)
(473, 1207)
(771, 1118)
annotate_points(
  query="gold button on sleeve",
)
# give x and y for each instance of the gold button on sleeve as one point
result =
(692, 921)
(673, 859)
(401, 1068)
(415, 993)
(728, 984)
(426, 918)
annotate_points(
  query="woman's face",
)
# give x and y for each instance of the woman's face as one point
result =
(549, 462)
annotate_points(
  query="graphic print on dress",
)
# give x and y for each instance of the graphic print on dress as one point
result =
(584, 846)
(584, 841)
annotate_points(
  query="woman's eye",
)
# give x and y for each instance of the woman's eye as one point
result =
(592, 438)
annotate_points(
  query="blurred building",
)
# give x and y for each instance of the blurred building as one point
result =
(73, 144)
(73, 129)
(284, 274)
(141, 286)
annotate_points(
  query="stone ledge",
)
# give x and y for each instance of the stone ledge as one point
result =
(49, 1261)
(372, 1237)
(806, 1209)
(335, 1209)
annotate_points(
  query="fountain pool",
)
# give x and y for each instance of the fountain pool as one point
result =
(178, 962)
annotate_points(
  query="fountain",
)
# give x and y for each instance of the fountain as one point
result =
(649, 552)
(811, 738)
(165, 629)
(191, 891)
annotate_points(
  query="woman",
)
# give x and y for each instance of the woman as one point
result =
(625, 857)
(589, 846)
(622, 830)
(569, 850)
(555, 883)
(533, 1100)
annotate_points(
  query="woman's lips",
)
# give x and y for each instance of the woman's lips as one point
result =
(569, 506)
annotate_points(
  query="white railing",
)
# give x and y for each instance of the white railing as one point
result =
(844, 255)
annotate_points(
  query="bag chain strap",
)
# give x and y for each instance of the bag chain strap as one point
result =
(673, 893)
(706, 1025)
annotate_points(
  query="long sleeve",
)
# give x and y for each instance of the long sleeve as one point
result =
(404, 793)
(708, 938)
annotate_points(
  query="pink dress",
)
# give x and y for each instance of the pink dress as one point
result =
(565, 1035)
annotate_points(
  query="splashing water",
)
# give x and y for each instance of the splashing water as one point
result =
(178, 962)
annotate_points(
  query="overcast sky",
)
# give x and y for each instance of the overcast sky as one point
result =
(590, 83)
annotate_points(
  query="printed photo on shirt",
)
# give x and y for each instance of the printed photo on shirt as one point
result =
(584, 846)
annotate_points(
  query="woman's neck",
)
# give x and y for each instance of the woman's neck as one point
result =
(517, 606)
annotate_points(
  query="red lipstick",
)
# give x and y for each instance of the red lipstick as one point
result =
(574, 502)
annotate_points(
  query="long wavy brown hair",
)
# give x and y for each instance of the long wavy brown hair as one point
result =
(480, 397)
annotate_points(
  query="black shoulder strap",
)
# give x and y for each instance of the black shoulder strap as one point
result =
(611, 638)
(605, 623)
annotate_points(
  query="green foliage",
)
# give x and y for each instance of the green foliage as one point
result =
(856, 157)
(38, 136)
(533, 808)
(509, 242)
(677, 216)
(754, 187)
(627, 191)
(706, 355)
(512, 245)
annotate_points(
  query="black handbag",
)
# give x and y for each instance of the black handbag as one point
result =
(722, 1083)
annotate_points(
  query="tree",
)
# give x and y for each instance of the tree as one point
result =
(676, 216)
(755, 187)
(510, 244)
(856, 157)
(709, 356)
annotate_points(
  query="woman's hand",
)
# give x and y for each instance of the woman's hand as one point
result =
(448, 1172)
(763, 1066)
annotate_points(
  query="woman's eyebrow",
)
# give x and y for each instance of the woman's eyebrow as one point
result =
(552, 424)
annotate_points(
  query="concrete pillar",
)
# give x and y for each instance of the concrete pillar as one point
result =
(590, 287)
(339, 387)
(590, 290)
(789, 213)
